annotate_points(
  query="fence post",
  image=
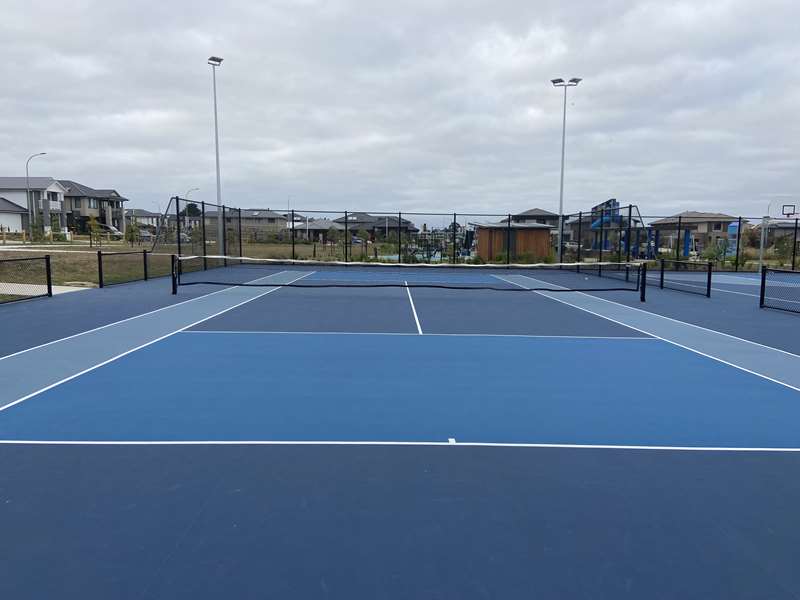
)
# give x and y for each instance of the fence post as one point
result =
(293, 252)
(399, 237)
(602, 234)
(794, 244)
(738, 244)
(48, 274)
(100, 268)
(455, 223)
(224, 238)
(240, 233)
(678, 243)
(346, 235)
(661, 276)
(628, 234)
(763, 292)
(508, 241)
(580, 238)
(178, 223)
(643, 275)
(203, 231)
(708, 284)
(144, 263)
(174, 272)
(561, 239)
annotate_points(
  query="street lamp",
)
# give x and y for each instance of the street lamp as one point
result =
(216, 61)
(28, 192)
(565, 84)
(189, 191)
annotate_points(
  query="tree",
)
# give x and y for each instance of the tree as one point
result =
(94, 231)
(132, 232)
(333, 235)
(191, 210)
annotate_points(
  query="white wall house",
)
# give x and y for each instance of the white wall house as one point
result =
(13, 217)
(47, 195)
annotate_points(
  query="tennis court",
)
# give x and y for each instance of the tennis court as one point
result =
(291, 430)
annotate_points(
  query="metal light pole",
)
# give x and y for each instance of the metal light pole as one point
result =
(216, 61)
(28, 193)
(565, 84)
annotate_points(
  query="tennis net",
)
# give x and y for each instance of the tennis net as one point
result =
(558, 277)
(780, 289)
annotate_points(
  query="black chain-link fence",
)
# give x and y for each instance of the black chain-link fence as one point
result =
(24, 278)
(780, 289)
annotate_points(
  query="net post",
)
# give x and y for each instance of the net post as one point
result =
(224, 238)
(240, 232)
(203, 231)
(48, 275)
(508, 241)
(399, 237)
(174, 261)
(100, 268)
(561, 220)
(580, 238)
(661, 276)
(144, 263)
(738, 244)
(678, 243)
(628, 234)
(708, 280)
(794, 244)
(346, 235)
(643, 286)
(763, 292)
(455, 222)
(178, 223)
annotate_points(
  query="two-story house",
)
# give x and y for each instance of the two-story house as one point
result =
(83, 202)
(47, 200)
(696, 230)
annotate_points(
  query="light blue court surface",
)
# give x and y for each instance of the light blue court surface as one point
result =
(411, 388)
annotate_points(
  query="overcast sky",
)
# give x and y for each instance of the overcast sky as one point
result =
(413, 105)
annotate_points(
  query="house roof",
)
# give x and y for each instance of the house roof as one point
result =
(321, 225)
(513, 225)
(139, 212)
(19, 183)
(7, 206)
(693, 216)
(78, 190)
(535, 212)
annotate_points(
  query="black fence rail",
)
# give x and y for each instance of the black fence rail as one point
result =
(123, 267)
(25, 278)
(780, 289)
(692, 277)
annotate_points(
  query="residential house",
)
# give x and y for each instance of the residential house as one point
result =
(534, 215)
(82, 203)
(317, 229)
(47, 196)
(13, 217)
(697, 230)
(379, 225)
(142, 217)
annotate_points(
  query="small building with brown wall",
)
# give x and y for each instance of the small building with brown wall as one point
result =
(526, 241)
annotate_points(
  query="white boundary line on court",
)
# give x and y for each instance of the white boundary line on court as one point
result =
(80, 333)
(413, 308)
(674, 343)
(390, 443)
(158, 339)
(648, 338)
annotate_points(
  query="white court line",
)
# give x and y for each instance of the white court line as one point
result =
(674, 343)
(391, 443)
(413, 309)
(500, 335)
(74, 335)
(139, 347)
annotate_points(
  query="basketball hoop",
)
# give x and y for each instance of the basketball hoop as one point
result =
(789, 210)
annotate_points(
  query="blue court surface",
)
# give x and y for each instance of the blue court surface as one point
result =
(399, 442)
